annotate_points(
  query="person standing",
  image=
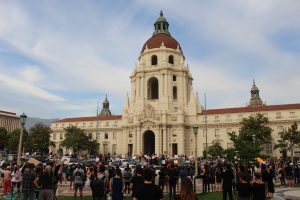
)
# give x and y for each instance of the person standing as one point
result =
(98, 184)
(162, 177)
(227, 177)
(16, 178)
(172, 174)
(79, 178)
(137, 179)
(258, 188)
(127, 176)
(288, 170)
(46, 184)
(28, 178)
(243, 188)
(148, 190)
(116, 186)
(187, 192)
(7, 180)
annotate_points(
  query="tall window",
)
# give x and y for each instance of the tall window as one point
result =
(171, 59)
(97, 136)
(153, 88)
(268, 148)
(114, 149)
(174, 92)
(154, 60)
(106, 136)
(217, 132)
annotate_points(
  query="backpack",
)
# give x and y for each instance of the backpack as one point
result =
(78, 177)
(126, 175)
(98, 187)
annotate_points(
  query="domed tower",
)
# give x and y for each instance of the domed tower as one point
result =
(162, 102)
(255, 99)
(105, 109)
(161, 78)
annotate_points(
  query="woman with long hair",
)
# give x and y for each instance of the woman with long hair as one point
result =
(46, 185)
(187, 192)
(116, 186)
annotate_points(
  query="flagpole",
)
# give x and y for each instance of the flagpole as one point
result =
(205, 125)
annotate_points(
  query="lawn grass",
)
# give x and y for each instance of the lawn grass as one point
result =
(205, 196)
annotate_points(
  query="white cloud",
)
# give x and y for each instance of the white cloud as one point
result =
(27, 88)
(94, 50)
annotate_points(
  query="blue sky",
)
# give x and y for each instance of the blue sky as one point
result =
(59, 58)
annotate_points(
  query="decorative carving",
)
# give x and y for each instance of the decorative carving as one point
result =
(130, 119)
(148, 114)
(173, 118)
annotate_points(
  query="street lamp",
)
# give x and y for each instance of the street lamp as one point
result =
(22, 122)
(195, 129)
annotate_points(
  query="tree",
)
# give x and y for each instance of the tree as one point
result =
(13, 140)
(289, 140)
(253, 133)
(77, 140)
(39, 138)
(3, 138)
(230, 154)
(215, 150)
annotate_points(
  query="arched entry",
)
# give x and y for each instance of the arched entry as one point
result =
(149, 142)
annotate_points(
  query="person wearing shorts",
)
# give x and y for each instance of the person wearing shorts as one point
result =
(78, 177)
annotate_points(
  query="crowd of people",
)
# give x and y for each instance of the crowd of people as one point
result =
(250, 181)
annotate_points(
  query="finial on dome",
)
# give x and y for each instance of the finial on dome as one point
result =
(161, 25)
(253, 82)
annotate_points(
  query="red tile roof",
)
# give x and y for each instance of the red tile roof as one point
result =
(5, 112)
(156, 40)
(95, 118)
(251, 109)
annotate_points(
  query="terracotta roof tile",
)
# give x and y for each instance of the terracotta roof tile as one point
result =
(156, 40)
(94, 118)
(250, 109)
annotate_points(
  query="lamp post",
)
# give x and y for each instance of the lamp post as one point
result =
(195, 129)
(22, 121)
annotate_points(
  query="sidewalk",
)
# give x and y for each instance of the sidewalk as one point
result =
(287, 193)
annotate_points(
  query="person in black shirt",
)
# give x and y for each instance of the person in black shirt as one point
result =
(243, 188)
(258, 188)
(162, 177)
(137, 179)
(227, 177)
(172, 174)
(148, 190)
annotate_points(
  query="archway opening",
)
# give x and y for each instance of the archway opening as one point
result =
(153, 88)
(149, 142)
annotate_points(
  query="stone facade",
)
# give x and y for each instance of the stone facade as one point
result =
(162, 108)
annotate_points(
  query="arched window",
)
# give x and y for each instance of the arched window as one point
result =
(154, 60)
(174, 92)
(153, 88)
(171, 59)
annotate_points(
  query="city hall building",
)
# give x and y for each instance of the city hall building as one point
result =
(162, 108)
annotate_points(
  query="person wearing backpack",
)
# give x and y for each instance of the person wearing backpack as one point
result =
(78, 177)
(98, 184)
(127, 176)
